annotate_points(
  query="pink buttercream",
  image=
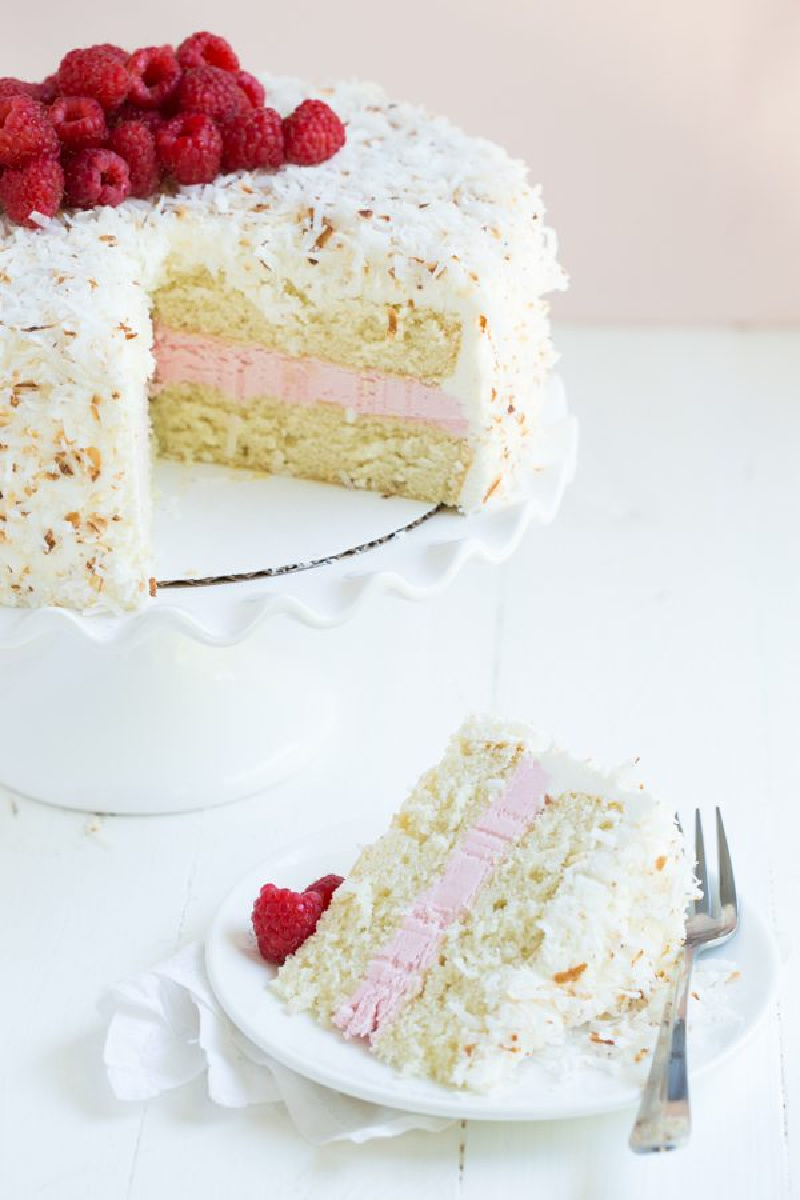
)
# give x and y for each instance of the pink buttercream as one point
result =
(394, 973)
(246, 371)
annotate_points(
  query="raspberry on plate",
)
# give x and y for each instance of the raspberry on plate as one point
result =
(26, 131)
(155, 74)
(79, 122)
(134, 142)
(190, 148)
(207, 50)
(36, 187)
(252, 140)
(325, 887)
(312, 134)
(97, 71)
(283, 919)
(209, 90)
(93, 177)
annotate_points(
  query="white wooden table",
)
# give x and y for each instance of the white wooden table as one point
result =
(660, 615)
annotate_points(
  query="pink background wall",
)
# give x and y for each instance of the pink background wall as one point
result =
(666, 135)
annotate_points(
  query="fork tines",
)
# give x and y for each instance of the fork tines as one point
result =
(711, 902)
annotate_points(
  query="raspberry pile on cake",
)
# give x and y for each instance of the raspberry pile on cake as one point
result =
(255, 273)
(108, 125)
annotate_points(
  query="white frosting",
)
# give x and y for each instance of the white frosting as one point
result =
(410, 207)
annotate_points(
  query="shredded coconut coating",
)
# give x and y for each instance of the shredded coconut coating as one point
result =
(412, 208)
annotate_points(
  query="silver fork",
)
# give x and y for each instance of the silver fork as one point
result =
(663, 1121)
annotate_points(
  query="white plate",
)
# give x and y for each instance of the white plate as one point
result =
(239, 978)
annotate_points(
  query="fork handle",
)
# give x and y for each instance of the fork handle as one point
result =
(664, 1121)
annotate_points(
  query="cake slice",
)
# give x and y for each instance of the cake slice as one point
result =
(517, 895)
(377, 321)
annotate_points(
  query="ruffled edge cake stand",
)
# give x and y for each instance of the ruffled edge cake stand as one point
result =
(202, 697)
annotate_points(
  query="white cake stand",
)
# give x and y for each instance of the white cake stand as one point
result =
(212, 692)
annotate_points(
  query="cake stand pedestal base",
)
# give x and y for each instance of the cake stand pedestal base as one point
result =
(164, 725)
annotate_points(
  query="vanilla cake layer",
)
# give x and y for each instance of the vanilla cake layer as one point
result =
(434, 237)
(517, 895)
(199, 424)
(404, 339)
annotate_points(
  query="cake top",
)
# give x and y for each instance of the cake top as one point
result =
(371, 201)
(410, 200)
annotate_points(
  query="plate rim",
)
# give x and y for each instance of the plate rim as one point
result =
(445, 1102)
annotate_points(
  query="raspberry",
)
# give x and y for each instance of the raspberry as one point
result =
(283, 919)
(146, 116)
(114, 51)
(190, 148)
(47, 91)
(156, 73)
(134, 142)
(26, 131)
(79, 122)
(312, 134)
(36, 187)
(252, 140)
(325, 887)
(209, 90)
(252, 88)
(17, 87)
(97, 72)
(207, 50)
(93, 177)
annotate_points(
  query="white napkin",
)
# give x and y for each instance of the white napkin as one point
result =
(166, 1028)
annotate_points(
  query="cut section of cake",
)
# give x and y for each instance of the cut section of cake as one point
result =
(517, 895)
(351, 393)
(376, 321)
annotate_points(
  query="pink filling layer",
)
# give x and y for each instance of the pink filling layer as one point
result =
(394, 972)
(246, 371)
